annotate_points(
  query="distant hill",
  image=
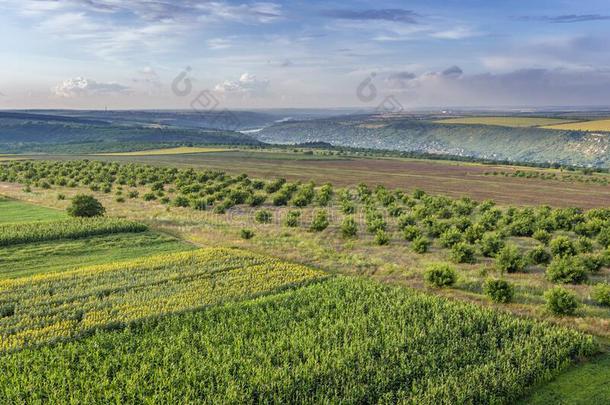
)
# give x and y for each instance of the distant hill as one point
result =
(26, 133)
(481, 141)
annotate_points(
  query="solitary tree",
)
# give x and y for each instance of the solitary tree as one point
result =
(85, 206)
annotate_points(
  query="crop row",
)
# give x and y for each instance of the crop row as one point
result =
(49, 307)
(339, 341)
(12, 234)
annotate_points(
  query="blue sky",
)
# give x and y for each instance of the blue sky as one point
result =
(126, 54)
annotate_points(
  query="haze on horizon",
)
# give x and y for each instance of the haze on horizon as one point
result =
(126, 54)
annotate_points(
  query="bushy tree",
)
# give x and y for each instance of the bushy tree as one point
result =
(463, 253)
(382, 237)
(568, 269)
(491, 244)
(561, 301)
(562, 246)
(85, 206)
(510, 260)
(440, 275)
(411, 232)
(263, 216)
(601, 294)
(320, 221)
(538, 255)
(499, 290)
(450, 237)
(292, 219)
(420, 244)
(349, 227)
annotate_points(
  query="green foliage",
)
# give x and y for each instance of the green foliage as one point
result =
(498, 290)
(324, 195)
(463, 253)
(510, 260)
(263, 216)
(440, 275)
(292, 338)
(542, 236)
(181, 201)
(420, 244)
(561, 301)
(450, 237)
(292, 219)
(490, 244)
(256, 199)
(538, 255)
(11, 234)
(320, 221)
(568, 269)
(382, 237)
(601, 293)
(246, 233)
(349, 227)
(149, 197)
(85, 206)
(411, 232)
(562, 246)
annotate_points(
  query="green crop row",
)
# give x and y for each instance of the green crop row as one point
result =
(56, 306)
(12, 234)
(339, 341)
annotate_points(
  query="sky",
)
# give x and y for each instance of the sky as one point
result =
(94, 54)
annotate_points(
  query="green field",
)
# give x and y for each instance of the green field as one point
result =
(513, 121)
(60, 255)
(581, 385)
(12, 211)
(340, 340)
(595, 125)
(126, 314)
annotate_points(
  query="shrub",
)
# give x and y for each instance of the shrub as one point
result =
(246, 234)
(561, 301)
(538, 255)
(491, 244)
(61, 197)
(584, 245)
(567, 269)
(562, 246)
(349, 227)
(320, 221)
(292, 219)
(450, 237)
(263, 216)
(120, 199)
(411, 232)
(405, 220)
(85, 206)
(256, 199)
(499, 290)
(463, 253)
(601, 294)
(592, 262)
(181, 201)
(382, 237)
(421, 244)
(440, 275)
(198, 204)
(149, 197)
(133, 194)
(510, 260)
(542, 236)
(604, 237)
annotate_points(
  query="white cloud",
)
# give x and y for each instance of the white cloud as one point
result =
(80, 86)
(219, 43)
(247, 85)
(455, 33)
